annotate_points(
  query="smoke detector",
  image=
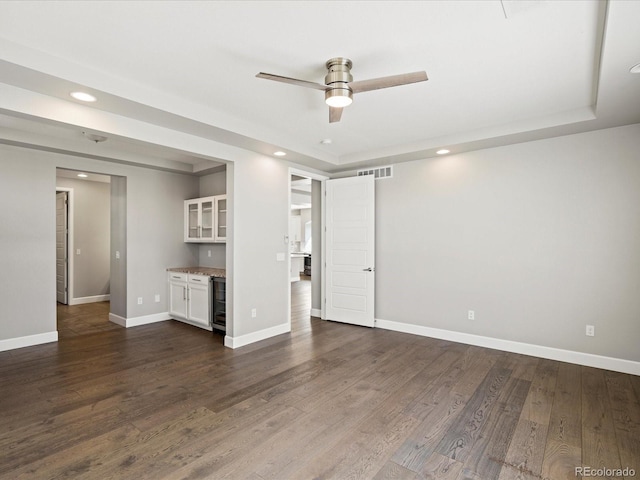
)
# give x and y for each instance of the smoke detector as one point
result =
(94, 137)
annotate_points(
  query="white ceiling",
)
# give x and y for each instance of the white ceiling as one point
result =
(499, 73)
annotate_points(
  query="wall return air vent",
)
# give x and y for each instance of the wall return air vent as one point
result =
(378, 172)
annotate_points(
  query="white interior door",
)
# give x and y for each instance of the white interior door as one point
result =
(61, 247)
(350, 250)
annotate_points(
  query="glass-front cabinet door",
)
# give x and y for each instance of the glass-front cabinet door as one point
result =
(192, 220)
(206, 232)
(221, 218)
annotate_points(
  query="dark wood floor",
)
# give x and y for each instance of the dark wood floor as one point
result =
(168, 401)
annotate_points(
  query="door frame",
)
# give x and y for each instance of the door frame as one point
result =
(321, 178)
(70, 250)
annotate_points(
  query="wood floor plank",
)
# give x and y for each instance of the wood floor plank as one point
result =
(25, 445)
(459, 441)
(393, 471)
(474, 363)
(81, 459)
(437, 408)
(439, 467)
(361, 453)
(563, 451)
(347, 408)
(599, 446)
(537, 407)
(526, 450)
(171, 462)
(625, 409)
(490, 448)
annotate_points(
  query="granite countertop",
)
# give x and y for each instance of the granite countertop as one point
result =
(212, 272)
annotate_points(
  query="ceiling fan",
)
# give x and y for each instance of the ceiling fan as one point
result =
(339, 86)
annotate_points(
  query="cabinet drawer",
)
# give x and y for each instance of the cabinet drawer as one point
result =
(199, 279)
(177, 277)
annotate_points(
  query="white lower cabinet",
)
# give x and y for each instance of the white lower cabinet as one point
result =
(178, 295)
(189, 298)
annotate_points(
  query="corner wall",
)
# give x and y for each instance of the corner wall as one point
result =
(258, 226)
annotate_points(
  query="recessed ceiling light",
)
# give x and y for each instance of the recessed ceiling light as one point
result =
(325, 141)
(442, 151)
(279, 153)
(83, 175)
(83, 96)
(635, 69)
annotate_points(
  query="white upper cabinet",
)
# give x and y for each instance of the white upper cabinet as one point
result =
(205, 219)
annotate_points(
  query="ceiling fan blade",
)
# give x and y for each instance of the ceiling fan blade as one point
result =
(385, 82)
(334, 114)
(292, 81)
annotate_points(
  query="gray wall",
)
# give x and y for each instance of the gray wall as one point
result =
(213, 184)
(539, 239)
(27, 244)
(260, 212)
(154, 236)
(118, 267)
(91, 234)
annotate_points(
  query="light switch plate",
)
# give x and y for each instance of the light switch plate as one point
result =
(279, 257)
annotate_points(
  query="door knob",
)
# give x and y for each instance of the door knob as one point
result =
(368, 269)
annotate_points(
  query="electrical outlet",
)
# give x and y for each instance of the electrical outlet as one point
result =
(471, 315)
(590, 331)
(117, 254)
(139, 300)
(208, 253)
(254, 313)
(157, 298)
(77, 251)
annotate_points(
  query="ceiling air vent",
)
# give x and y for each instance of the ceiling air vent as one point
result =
(379, 172)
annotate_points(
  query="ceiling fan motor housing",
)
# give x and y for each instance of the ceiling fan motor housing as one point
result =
(338, 78)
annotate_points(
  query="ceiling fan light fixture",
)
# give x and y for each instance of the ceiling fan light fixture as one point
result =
(338, 97)
(339, 86)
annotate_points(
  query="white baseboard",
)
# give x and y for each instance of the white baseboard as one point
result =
(28, 341)
(316, 312)
(137, 321)
(93, 299)
(579, 358)
(242, 340)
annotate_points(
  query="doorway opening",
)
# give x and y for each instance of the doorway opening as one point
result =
(83, 233)
(304, 246)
